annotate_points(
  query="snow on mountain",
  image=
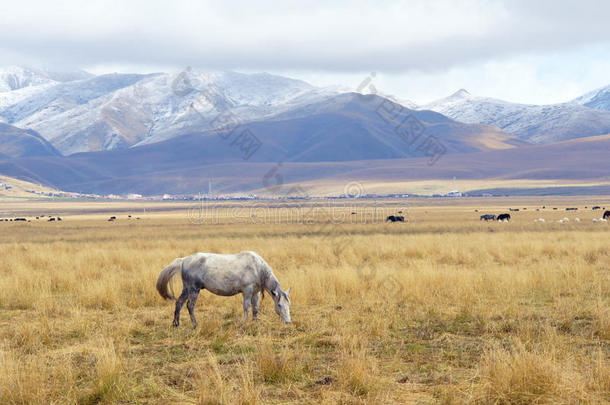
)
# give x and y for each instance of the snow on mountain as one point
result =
(598, 99)
(78, 112)
(207, 96)
(120, 110)
(19, 77)
(538, 124)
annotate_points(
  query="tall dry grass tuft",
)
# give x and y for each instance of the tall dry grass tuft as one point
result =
(108, 383)
(21, 380)
(248, 393)
(26, 379)
(277, 367)
(357, 371)
(523, 376)
(213, 388)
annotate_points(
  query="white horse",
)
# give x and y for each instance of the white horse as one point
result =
(225, 275)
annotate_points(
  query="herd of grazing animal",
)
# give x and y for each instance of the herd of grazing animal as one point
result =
(21, 219)
(493, 217)
(51, 218)
(506, 217)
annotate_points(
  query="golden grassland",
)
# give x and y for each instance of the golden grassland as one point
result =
(442, 309)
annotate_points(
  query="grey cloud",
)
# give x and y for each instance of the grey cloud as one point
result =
(345, 37)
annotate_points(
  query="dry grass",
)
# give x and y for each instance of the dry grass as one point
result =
(442, 309)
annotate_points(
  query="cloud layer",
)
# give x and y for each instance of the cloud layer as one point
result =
(397, 38)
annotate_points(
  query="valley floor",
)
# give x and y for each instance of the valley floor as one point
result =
(441, 309)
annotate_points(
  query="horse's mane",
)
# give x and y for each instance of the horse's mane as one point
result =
(266, 277)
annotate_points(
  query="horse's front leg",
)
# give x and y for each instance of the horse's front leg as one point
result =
(247, 300)
(254, 302)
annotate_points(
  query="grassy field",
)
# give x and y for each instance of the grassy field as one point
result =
(442, 309)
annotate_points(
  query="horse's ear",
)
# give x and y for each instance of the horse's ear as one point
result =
(288, 290)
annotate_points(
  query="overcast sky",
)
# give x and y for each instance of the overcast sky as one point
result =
(523, 51)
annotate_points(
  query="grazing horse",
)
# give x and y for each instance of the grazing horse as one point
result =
(606, 215)
(488, 217)
(225, 275)
(504, 217)
(395, 218)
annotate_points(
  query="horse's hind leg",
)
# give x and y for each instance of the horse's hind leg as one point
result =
(191, 305)
(179, 303)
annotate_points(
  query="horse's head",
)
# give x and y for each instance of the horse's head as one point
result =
(282, 303)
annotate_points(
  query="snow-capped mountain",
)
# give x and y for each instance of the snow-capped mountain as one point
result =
(19, 77)
(598, 99)
(538, 124)
(116, 111)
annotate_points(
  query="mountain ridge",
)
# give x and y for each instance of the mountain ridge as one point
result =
(538, 124)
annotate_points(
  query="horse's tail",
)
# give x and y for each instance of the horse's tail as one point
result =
(163, 282)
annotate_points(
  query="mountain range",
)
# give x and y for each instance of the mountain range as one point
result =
(536, 124)
(162, 132)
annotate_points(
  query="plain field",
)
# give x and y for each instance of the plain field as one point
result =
(442, 309)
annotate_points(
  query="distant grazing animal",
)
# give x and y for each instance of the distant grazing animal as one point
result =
(112, 218)
(224, 275)
(395, 218)
(504, 217)
(597, 207)
(51, 219)
(576, 219)
(513, 209)
(20, 219)
(555, 208)
(59, 218)
(488, 217)
(571, 209)
(606, 215)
